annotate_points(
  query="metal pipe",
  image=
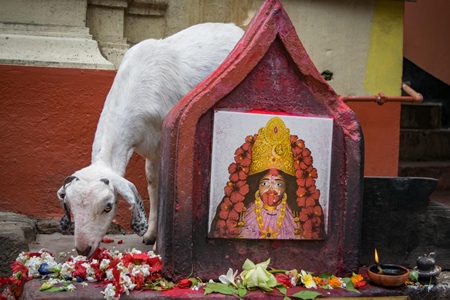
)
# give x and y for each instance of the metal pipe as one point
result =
(380, 99)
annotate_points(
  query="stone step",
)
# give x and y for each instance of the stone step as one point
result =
(424, 144)
(432, 169)
(421, 115)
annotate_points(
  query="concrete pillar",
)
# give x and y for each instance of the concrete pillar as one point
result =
(145, 19)
(105, 19)
(47, 33)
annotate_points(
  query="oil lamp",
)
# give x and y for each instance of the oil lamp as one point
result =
(388, 275)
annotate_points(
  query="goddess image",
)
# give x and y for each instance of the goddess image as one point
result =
(271, 192)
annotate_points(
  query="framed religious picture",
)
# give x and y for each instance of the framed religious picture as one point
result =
(270, 176)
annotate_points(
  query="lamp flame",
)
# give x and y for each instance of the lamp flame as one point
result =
(376, 256)
(380, 270)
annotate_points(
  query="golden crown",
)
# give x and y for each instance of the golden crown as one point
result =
(272, 149)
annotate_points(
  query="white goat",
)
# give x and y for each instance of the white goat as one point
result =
(152, 77)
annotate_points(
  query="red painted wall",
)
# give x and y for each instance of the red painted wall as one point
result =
(48, 118)
(426, 38)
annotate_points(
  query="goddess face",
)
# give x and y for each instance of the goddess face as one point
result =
(271, 188)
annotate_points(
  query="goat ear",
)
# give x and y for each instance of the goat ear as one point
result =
(62, 191)
(129, 192)
(65, 220)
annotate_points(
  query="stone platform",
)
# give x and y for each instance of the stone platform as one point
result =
(371, 291)
(20, 228)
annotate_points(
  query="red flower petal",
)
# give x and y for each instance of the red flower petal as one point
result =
(184, 283)
(283, 279)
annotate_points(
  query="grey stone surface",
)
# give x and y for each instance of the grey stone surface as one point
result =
(26, 224)
(16, 232)
(21, 233)
(62, 246)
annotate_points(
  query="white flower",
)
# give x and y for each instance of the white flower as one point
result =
(307, 280)
(142, 269)
(70, 287)
(46, 256)
(90, 272)
(229, 278)
(66, 269)
(22, 257)
(125, 281)
(152, 254)
(134, 251)
(109, 274)
(33, 265)
(54, 281)
(109, 292)
(104, 264)
(121, 267)
(293, 281)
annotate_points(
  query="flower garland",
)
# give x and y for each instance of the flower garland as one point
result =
(310, 216)
(119, 272)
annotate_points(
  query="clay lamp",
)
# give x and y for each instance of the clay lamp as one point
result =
(387, 275)
(427, 269)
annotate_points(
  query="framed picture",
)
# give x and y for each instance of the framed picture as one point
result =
(270, 176)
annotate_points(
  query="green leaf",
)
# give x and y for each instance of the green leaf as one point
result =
(216, 287)
(414, 275)
(349, 285)
(277, 271)
(282, 289)
(45, 286)
(325, 275)
(307, 295)
(56, 289)
(242, 291)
